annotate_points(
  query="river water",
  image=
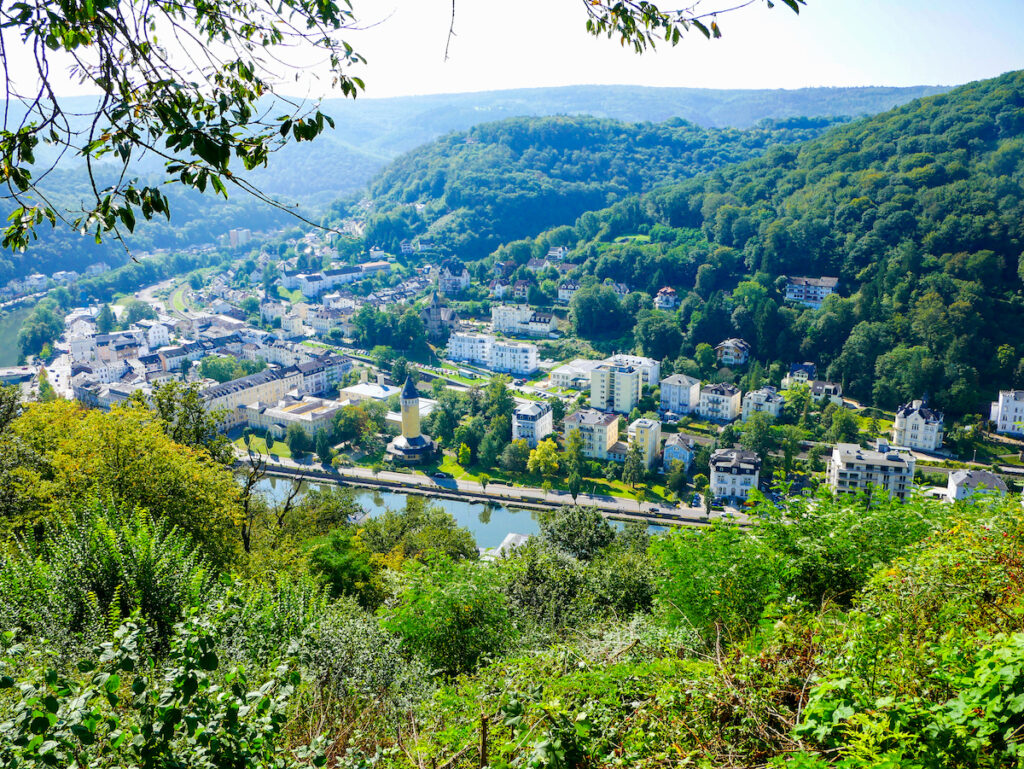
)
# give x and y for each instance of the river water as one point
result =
(489, 522)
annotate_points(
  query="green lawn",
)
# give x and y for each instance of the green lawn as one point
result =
(655, 493)
(294, 297)
(279, 448)
(178, 298)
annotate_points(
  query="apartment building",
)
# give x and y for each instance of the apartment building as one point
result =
(853, 469)
(680, 394)
(647, 434)
(719, 402)
(800, 374)
(615, 388)
(520, 320)
(918, 427)
(734, 473)
(532, 422)
(519, 358)
(1008, 412)
(767, 400)
(810, 292)
(470, 347)
(649, 368)
(268, 386)
(732, 352)
(963, 484)
(666, 299)
(678, 448)
(599, 431)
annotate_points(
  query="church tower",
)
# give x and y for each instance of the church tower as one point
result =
(410, 410)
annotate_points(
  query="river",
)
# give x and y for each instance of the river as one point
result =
(10, 324)
(489, 522)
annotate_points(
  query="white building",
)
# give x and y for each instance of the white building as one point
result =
(853, 469)
(719, 402)
(734, 473)
(518, 358)
(532, 422)
(810, 292)
(566, 290)
(918, 427)
(666, 299)
(767, 400)
(826, 391)
(453, 277)
(520, 320)
(268, 386)
(732, 352)
(680, 394)
(1008, 412)
(650, 369)
(575, 374)
(311, 414)
(615, 388)
(470, 347)
(647, 434)
(966, 483)
(600, 432)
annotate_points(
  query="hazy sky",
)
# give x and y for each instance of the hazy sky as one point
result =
(529, 43)
(831, 43)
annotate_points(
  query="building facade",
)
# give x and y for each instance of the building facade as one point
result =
(719, 402)
(852, 470)
(767, 400)
(519, 358)
(532, 422)
(646, 433)
(599, 431)
(918, 427)
(678, 448)
(734, 473)
(810, 292)
(732, 352)
(1008, 412)
(615, 388)
(680, 394)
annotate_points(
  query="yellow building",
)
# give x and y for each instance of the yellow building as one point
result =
(411, 447)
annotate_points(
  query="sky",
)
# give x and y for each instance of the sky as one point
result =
(536, 43)
(532, 43)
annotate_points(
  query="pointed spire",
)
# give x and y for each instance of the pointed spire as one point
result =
(409, 391)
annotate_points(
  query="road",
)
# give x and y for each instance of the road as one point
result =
(617, 507)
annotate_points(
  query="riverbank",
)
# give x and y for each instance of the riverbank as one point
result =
(528, 498)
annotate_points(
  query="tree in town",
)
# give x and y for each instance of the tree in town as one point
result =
(268, 439)
(573, 460)
(484, 479)
(515, 456)
(105, 320)
(757, 436)
(182, 412)
(465, 455)
(792, 436)
(322, 446)
(633, 469)
(706, 358)
(844, 427)
(544, 459)
(575, 484)
(676, 479)
(297, 440)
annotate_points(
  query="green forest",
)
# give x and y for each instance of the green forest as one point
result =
(917, 211)
(502, 181)
(155, 613)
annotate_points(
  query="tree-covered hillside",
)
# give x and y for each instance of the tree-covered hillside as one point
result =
(920, 214)
(499, 181)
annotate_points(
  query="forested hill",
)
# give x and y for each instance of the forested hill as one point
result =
(500, 181)
(919, 212)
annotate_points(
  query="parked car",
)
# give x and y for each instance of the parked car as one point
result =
(442, 475)
(695, 502)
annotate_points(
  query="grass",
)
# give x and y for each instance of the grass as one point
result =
(655, 492)
(295, 296)
(257, 443)
(178, 303)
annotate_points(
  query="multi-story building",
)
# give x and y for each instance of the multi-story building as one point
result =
(452, 278)
(810, 292)
(680, 394)
(678, 448)
(269, 386)
(470, 347)
(734, 473)
(1008, 412)
(767, 400)
(518, 358)
(800, 374)
(826, 391)
(962, 484)
(647, 434)
(615, 388)
(575, 374)
(732, 352)
(311, 414)
(566, 290)
(666, 299)
(520, 320)
(853, 469)
(719, 402)
(650, 369)
(532, 422)
(918, 427)
(322, 374)
(600, 431)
